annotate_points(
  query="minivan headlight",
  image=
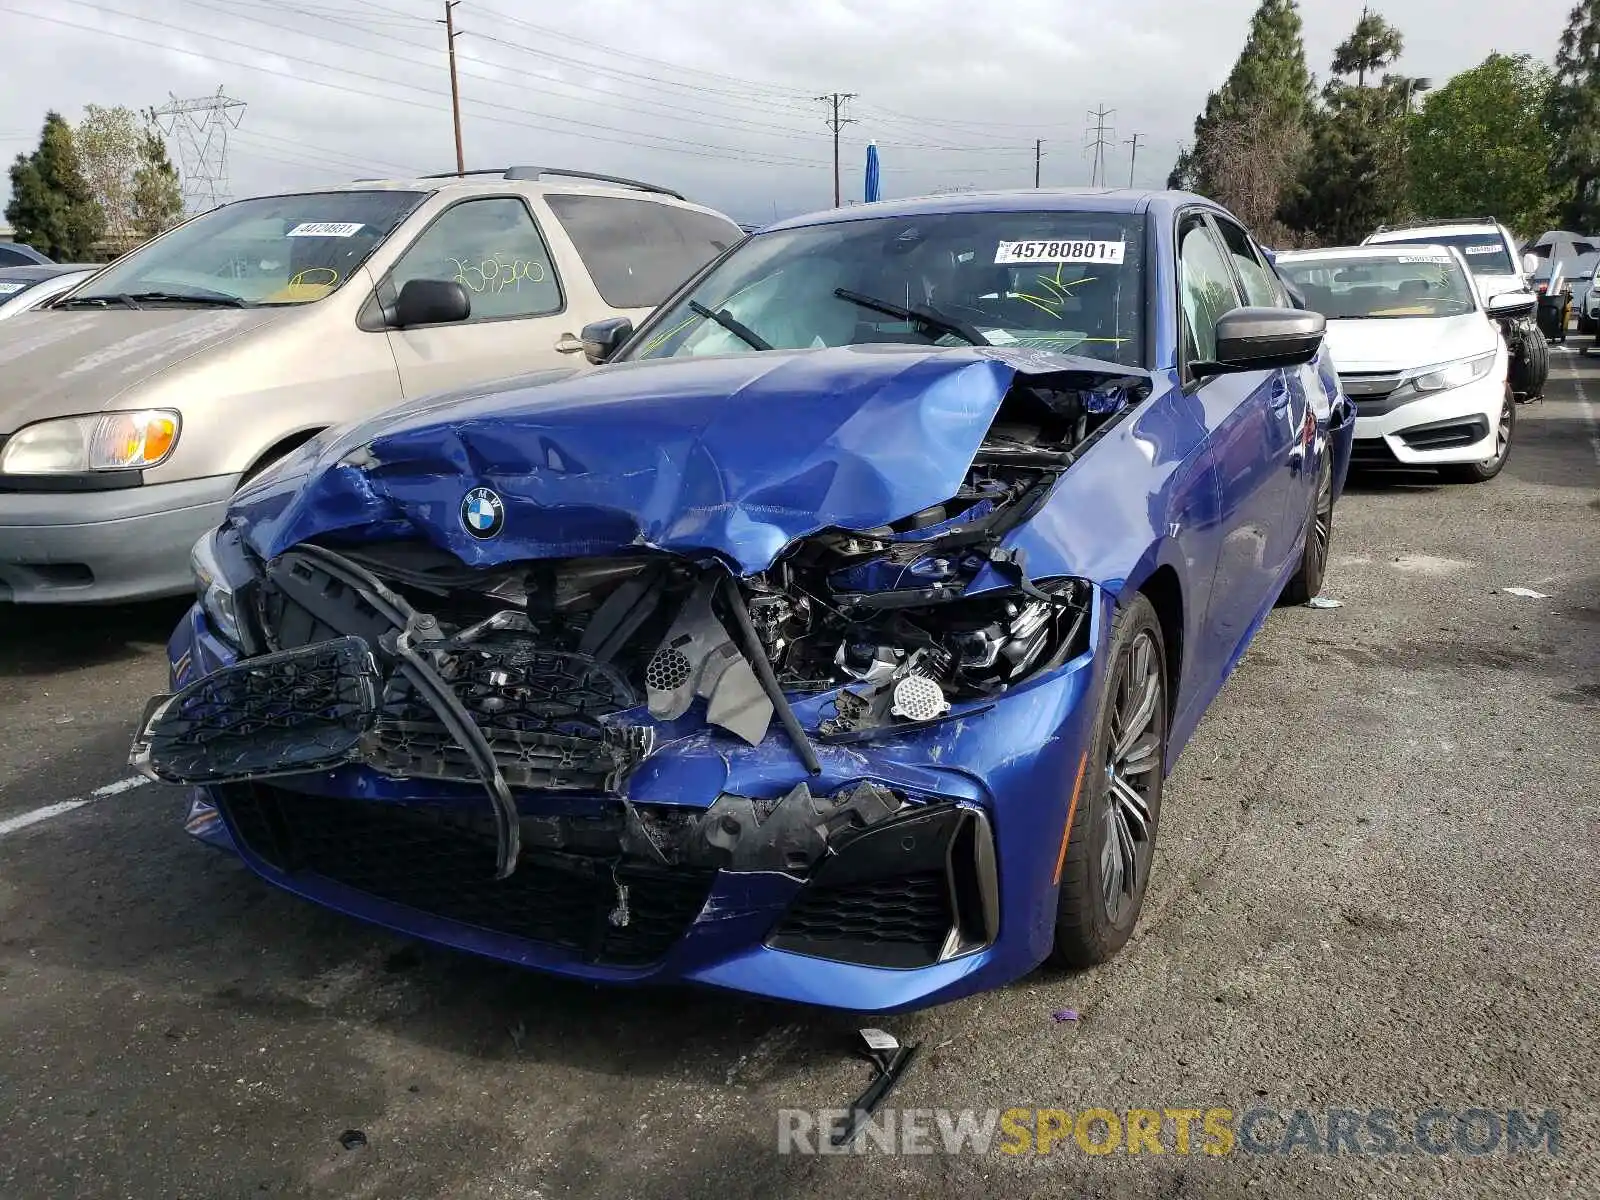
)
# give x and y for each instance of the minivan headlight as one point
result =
(1454, 374)
(115, 441)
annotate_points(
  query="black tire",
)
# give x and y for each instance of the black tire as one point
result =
(1530, 362)
(1119, 800)
(1307, 579)
(1482, 472)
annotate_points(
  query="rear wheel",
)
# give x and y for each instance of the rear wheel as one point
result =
(1482, 472)
(1307, 579)
(1110, 845)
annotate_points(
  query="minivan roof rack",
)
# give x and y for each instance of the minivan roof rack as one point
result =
(1436, 221)
(536, 173)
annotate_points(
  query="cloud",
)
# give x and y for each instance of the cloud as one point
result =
(714, 98)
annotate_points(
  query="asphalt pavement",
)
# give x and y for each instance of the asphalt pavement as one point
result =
(1375, 889)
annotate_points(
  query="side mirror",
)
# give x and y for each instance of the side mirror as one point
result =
(1257, 339)
(1512, 304)
(430, 302)
(602, 339)
(1530, 263)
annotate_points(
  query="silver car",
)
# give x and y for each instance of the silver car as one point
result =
(132, 408)
(23, 289)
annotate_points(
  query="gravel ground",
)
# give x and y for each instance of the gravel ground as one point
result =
(1374, 890)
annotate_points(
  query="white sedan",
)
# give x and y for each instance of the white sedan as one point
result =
(1419, 350)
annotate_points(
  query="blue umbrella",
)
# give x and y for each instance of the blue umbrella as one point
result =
(874, 187)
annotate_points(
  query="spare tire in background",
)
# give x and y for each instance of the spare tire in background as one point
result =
(1530, 360)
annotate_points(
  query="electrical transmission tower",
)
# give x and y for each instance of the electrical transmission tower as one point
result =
(200, 129)
(837, 121)
(1097, 139)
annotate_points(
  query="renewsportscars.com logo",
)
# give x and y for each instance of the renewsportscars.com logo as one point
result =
(1471, 1132)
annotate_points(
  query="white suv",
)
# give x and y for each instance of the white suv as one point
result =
(1487, 246)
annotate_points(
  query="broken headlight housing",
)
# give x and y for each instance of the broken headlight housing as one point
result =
(221, 572)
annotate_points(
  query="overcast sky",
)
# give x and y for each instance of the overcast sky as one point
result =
(712, 97)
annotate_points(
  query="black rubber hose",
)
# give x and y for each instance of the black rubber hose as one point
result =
(757, 654)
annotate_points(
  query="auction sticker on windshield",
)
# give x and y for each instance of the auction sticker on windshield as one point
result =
(1058, 252)
(325, 229)
(1491, 248)
(1425, 258)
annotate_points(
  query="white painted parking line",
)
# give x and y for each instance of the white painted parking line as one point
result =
(1587, 410)
(23, 820)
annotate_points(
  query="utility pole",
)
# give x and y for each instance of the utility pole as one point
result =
(1133, 154)
(1038, 153)
(450, 36)
(836, 122)
(1099, 142)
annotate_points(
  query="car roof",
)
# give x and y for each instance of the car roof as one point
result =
(39, 273)
(25, 251)
(499, 180)
(1376, 250)
(1443, 229)
(1086, 200)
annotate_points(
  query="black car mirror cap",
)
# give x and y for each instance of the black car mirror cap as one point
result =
(602, 339)
(430, 302)
(1512, 304)
(1258, 339)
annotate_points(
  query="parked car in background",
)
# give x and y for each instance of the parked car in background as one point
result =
(831, 642)
(1419, 350)
(191, 364)
(1589, 322)
(1490, 253)
(23, 289)
(1581, 277)
(20, 254)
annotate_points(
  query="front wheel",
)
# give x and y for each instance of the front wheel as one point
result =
(1307, 579)
(1482, 472)
(1111, 841)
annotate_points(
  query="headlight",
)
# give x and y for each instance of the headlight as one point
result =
(221, 572)
(1453, 375)
(114, 441)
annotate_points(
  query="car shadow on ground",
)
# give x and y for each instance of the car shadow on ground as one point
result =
(45, 639)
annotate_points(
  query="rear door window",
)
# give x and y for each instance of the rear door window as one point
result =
(639, 251)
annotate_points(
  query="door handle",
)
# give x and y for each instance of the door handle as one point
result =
(567, 344)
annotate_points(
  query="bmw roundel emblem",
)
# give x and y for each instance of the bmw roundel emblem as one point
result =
(483, 513)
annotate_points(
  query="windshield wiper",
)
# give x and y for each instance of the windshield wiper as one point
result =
(212, 299)
(121, 298)
(732, 324)
(928, 318)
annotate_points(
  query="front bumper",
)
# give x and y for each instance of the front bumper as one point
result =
(99, 547)
(1456, 426)
(855, 930)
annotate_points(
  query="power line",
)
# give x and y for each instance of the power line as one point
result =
(1099, 143)
(837, 122)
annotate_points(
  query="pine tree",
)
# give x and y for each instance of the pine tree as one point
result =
(51, 207)
(157, 197)
(1269, 81)
(1573, 117)
(1354, 176)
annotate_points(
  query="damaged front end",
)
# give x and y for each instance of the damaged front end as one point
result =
(604, 706)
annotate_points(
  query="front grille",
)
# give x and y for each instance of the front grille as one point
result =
(907, 911)
(1369, 386)
(1372, 452)
(440, 859)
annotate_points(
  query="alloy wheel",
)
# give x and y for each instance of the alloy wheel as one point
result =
(1502, 432)
(1133, 774)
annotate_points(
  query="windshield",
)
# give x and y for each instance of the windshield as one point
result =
(272, 250)
(1485, 253)
(1406, 285)
(1063, 281)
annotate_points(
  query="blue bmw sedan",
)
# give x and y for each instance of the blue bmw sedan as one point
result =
(831, 639)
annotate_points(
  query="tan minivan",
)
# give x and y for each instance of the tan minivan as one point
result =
(132, 408)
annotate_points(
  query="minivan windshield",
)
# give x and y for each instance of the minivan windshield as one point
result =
(1343, 287)
(1065, 281)
(1485, 253)
(270, 250)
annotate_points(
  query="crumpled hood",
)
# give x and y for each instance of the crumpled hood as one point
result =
(63, 362)
(1401, 343)
(737, 454)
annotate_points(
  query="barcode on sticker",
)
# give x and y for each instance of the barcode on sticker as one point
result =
(877, 1039)
(325, 229)
(1482, 249)
(1422, 258)
(9, 289)
(1058, 252)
